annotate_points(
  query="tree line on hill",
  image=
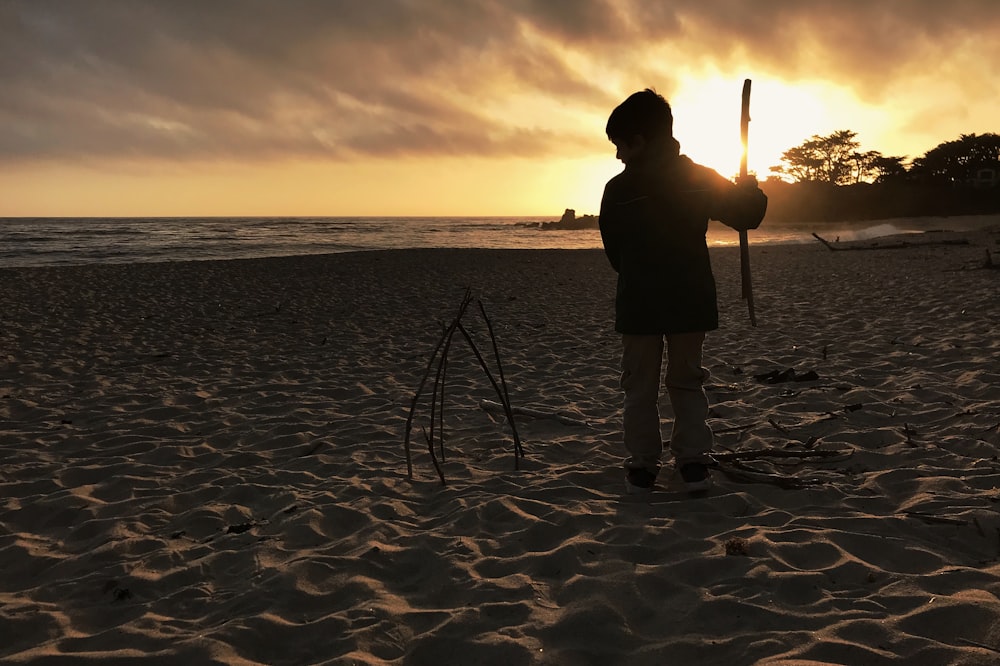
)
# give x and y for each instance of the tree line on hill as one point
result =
(828, 178)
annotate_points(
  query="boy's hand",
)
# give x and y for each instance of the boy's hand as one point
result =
(753, 203)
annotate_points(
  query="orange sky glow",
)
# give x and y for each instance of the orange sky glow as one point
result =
(488, 108)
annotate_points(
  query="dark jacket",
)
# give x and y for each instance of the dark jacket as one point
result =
(653, 220)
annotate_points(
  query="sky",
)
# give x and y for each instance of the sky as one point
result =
(452, 107)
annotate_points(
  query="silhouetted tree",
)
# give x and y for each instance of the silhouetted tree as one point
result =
(863, 166)
(959, 160)
(827, 179)
(798, 164)
(889, 169)
(829, 159)
(801, 164)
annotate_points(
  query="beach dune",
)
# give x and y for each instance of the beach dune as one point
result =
(204, 461)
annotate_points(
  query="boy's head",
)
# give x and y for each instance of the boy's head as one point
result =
(645, 115)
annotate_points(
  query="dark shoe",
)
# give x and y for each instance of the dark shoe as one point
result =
(639, 481)
(696, 477)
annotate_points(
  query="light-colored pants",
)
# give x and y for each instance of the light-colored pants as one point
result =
(642, 361)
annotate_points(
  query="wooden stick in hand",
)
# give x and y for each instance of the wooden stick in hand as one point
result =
(747, 284)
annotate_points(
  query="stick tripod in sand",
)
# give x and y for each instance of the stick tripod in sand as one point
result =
(747, 284)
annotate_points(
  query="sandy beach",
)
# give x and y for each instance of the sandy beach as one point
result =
(204, 463)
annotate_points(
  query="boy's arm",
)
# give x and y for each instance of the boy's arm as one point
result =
(740, 206)
(609, 225)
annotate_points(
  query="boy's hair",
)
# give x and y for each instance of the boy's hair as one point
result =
(645, 113)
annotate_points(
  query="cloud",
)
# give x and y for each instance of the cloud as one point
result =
(868, 44)
(338, 79)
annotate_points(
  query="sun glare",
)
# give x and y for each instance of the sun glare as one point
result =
(707, 120)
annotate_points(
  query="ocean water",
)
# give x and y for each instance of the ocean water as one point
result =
(64, 241)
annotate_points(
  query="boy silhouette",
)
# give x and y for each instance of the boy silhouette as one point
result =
(653, 219)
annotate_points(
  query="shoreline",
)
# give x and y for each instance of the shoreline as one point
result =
(136, 242)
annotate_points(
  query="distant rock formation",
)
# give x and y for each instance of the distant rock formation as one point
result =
(570, 221)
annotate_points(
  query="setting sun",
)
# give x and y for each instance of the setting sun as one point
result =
(707, 124)
(707, 115)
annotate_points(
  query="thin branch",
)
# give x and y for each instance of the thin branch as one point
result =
(756, 454)
(518, 451)
(774, 424)
(496, 351)
(437, 395)
(444, 377)
(503, 380)
(448, 332)
(413, 405)
(437, 466)
(739, 472)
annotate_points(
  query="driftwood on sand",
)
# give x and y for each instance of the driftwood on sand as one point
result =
(732, 464)
(896, 245)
